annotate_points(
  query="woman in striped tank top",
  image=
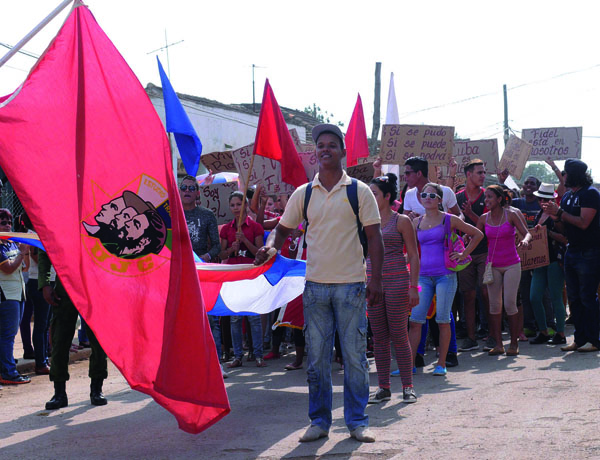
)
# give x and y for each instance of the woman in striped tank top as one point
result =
(389, 318)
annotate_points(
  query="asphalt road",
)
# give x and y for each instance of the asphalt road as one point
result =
(541, 404)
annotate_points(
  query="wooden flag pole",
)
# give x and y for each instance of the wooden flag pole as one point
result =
(246, 191)
(15, 49)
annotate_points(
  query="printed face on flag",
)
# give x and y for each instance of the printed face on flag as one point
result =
(132, 225)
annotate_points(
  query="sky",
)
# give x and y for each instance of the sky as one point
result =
(449, 57)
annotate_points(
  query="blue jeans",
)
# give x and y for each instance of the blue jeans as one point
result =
(11, 312)
(444, 288)
(41, 323)
(328, 307)
(215, 328)
(255, 330)
(582, 274)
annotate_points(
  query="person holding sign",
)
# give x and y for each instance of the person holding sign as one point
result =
(579, 211)
(434, 276)
(500, 224)
(550, 276)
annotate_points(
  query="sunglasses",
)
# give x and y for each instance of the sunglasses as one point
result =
(429, 195)
(191, 188)
(5, 222)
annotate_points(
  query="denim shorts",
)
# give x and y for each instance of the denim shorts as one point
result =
(444, 288)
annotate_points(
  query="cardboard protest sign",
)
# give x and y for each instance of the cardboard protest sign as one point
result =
(554, 143)
(400, 142)
(218, 161)
(310, 163)
(216, 198)
(486, 150)
(465, 151)
(535, 255)
(363, 172)
(264, 171)
(295, 138)
(515, 156)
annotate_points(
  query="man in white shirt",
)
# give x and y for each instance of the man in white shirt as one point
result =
(416, 170)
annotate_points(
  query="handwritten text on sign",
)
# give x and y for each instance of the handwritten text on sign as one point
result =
(310, 163)
(554, 143)
(218, 162)
(400, 142)
(363, 172)
(486, 150)
(515, 156)
(216, 198)
(535, 255)
(264, 171)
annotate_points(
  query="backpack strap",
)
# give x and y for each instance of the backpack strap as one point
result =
(307, 194)
(352, 192)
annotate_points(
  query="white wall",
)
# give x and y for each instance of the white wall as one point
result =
(217, 126)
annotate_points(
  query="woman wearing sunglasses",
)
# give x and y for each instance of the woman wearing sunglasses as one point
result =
(12, 302)
(551, 276)
(500, 224)
(434, 277)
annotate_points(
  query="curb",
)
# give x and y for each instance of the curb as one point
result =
(27, 366)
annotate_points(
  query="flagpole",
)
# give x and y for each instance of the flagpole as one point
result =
(15, 49)
(245, 192)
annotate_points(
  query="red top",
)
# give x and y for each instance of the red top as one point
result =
(251, 230)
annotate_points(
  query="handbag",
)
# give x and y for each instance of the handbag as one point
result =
(453, 243)
(488, 276)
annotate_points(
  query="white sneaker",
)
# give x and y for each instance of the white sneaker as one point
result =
(363, 434)
(225, 374)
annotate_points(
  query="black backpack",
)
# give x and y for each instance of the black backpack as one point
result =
(352, 192)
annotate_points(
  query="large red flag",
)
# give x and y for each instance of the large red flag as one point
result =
(357, 145)
(89, 159)
(273, 140)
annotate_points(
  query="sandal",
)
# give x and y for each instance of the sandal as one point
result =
(293, 367)
(522, 338)
(497, 350)
(512, 351)
(237, 362)
(260, 362)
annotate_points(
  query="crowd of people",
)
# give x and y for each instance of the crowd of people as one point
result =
(383, 273)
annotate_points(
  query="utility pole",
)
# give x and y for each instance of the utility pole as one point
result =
(506, 135)
(376, 111)
(253, 91)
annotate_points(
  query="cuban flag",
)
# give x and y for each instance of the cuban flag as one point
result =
(26, 238)
(246, 289)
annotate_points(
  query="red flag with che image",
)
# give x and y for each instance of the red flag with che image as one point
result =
(273, 140)
(88, 156)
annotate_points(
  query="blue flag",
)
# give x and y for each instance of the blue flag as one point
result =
(178, 123)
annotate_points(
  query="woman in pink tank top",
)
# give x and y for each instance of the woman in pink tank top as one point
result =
(500, 225)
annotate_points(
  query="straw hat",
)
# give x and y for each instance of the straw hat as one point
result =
(546, 191)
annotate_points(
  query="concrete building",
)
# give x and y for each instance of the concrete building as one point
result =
(226, 126)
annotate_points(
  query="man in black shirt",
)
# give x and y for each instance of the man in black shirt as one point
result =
(471, 201)
(580, 213)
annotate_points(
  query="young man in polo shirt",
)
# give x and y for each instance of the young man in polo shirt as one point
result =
(335, 292)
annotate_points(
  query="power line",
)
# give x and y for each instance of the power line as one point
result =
(535, 82)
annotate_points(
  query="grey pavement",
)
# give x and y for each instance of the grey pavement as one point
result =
(542, 404)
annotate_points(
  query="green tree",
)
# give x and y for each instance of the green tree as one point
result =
(319, 114)
(540, 170)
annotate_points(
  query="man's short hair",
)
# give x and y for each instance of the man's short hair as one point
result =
(418, 164)
(187, 177)
(470, 166)
(537, 181)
